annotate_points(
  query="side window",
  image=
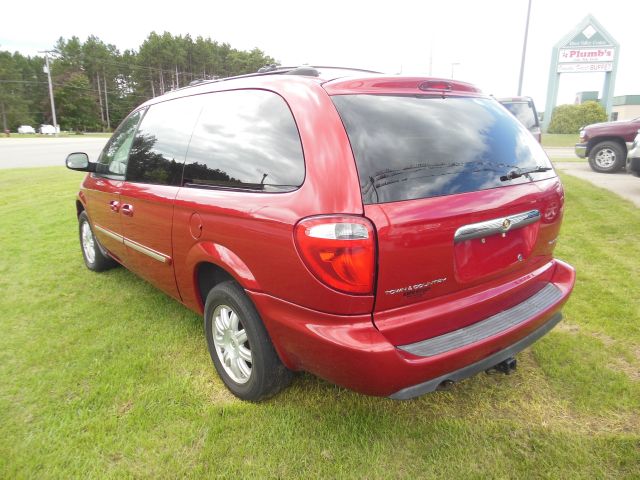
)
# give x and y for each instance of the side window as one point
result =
(113, 159)
(160, 144)
(245, 139)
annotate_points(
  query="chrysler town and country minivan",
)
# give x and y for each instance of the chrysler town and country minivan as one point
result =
(389, 234)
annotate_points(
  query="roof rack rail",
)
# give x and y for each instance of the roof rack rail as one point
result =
(269, 68)
(343, 68)
(279, 69)
(273, 69)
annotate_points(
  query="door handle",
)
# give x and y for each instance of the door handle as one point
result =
(127, 210)
(114, 205)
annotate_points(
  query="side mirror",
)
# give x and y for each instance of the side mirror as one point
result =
(80, 161)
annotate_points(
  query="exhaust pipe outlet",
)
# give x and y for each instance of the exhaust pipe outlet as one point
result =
(507, 367)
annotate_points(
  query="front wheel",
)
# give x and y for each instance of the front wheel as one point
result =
(606, 157)
(239, 345)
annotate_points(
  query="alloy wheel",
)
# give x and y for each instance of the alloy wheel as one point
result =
(88, 245)
(605, 158)
(231, 344)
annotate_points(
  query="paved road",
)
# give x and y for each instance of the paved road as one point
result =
(621, 183)
(45, 152)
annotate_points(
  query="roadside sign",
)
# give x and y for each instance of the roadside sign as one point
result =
(588, 48)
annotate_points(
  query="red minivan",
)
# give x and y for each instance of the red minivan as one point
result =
(389, 234)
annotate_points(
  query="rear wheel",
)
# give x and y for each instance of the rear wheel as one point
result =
(606, 157)
(239, 345)
(95, 258)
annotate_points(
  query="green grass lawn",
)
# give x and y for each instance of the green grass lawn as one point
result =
(103, 376)
(559, 140)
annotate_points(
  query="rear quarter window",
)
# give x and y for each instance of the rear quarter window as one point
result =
(414, 146)
(247, 140)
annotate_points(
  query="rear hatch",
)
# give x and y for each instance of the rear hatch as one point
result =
(462, 197)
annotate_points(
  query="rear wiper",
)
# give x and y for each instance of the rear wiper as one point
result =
(520, 173)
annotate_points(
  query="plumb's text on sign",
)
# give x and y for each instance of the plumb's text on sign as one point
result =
(579, 55)
(585, 60)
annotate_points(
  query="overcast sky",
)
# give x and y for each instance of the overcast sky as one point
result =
(483, 38)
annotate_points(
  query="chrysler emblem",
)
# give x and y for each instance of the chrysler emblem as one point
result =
(506, 223)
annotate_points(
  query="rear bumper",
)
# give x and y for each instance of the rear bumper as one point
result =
(350, 351)
(480, 366)
(581, 150)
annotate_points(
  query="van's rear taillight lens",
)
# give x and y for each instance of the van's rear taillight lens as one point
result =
(339, 251)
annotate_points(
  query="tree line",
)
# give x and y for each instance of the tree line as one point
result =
(95, 85)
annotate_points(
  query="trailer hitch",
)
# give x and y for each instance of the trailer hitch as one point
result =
(507, 366)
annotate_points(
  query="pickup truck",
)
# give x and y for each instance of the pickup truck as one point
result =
(606, 144)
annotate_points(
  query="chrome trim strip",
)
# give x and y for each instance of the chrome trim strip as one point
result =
(136, 246)
(489, 327)
(496, 225)
(108, 233)
(147, 251)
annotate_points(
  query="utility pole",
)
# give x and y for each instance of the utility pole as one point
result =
(53, 104)
(453, 64)
(106, 100)
(524, 50)
(4, 118)
(100, 99)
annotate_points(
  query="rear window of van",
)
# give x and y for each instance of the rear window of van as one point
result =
(413, 146)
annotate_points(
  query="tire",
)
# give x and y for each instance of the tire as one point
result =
(607, 157)
(95, 258)
(239, 345)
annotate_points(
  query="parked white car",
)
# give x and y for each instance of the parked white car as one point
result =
(49, 130)
(26, 129)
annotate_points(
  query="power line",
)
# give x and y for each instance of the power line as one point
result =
(112, 92)
(159, 69)
(62, 58)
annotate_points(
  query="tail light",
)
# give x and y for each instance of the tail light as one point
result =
(339, 251)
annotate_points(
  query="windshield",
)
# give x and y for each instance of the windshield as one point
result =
(409, 147)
